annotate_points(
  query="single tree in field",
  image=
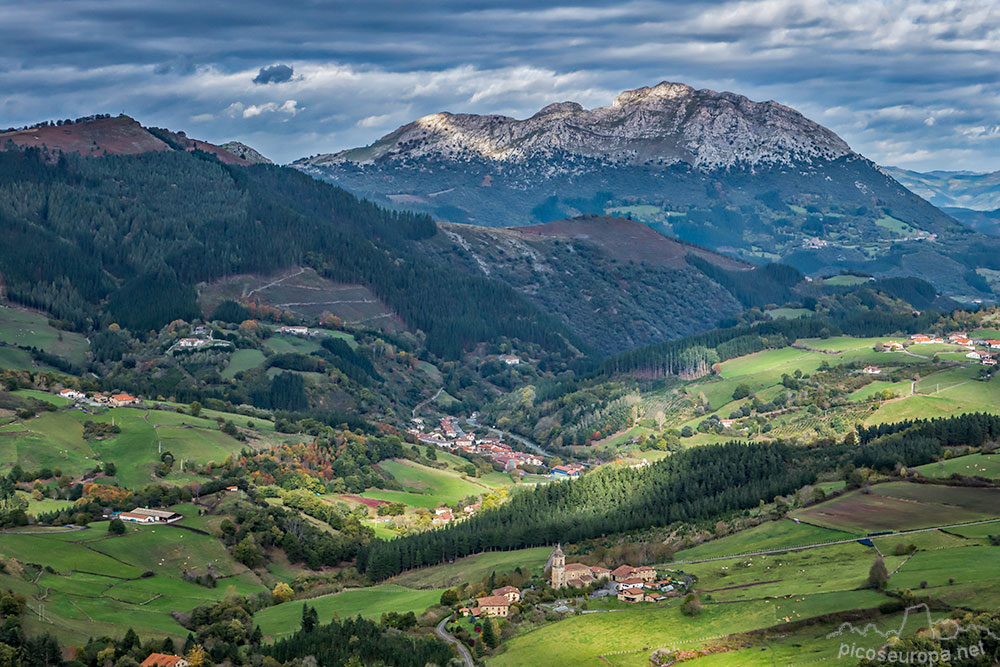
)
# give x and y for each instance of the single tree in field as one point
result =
(691, 605)
(878, 575)
(116, 527)
(282, 593)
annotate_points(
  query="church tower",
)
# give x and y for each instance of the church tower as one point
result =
(558, 573)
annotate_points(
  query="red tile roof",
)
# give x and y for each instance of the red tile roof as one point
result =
(493, 601)
(161, 660)
(623, 570)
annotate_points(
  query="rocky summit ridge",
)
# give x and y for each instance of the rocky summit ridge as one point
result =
(662, 125)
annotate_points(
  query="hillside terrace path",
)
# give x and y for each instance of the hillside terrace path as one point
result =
(751, 554)
(419, 406)
(451, 639)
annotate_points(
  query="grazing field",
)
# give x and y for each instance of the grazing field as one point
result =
(55, 439)
(369, 602)
(978, 465)
(916, 407)
(581, 640)
(282, 344)
(426, 487)
(789, 313)
(242, 360)
(846, 280)
(31, 329)
(838, 567)
(805, 646)
(15, 359)
(770, 535)
(474, 568)
(872, 388)
(900, 505)
(101, 584)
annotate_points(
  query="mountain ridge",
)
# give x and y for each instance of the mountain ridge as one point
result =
(661, 125)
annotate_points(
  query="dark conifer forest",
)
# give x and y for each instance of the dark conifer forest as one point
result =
(125, 239)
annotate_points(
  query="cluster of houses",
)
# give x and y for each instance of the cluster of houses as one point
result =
(141, 515)
(100, 400)
(450, 436)
(201, 336)
(443, 515)
(628, 583)
(567, 471)
(296, 331)
(957, 338)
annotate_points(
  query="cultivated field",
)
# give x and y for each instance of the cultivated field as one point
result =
(901, 505)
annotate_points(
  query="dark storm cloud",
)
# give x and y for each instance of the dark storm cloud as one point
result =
(273, 74)
(909, 82)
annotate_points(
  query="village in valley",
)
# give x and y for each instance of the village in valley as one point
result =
(576, 582)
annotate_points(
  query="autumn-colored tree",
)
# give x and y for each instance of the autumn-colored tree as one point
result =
(197, 656)
(282, 593)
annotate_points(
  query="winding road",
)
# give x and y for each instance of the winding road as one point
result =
(513, 436)
(451, 639)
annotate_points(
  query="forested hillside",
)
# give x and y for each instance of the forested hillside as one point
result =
(125, 237)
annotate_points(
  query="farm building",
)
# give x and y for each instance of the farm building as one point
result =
(162, 516)
(164, 660)
(492, 605)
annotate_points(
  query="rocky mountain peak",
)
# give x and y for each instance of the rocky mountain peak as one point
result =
(653, 127)
(559, 108)
(663, 90)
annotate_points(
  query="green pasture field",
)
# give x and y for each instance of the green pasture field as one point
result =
(16, 360)
(980, 465)
(869, 390)
(45, 505)
(371, 602)
(894, 225)
(581, 640)
(901, 505)
(845, 280)
(766, 536)
(283, 344)
(979, 531)
(31, 329)
(789, 313)
(808, 645)
(974, 569)
(838, 567)
(426, 487)
(989, 334)
(938, 383)
(842, 344)
(54, 399)
(773, 363)
(52, 439)
(474, 568)
(242, 360)
(917, 407)
(98, 585)
(55, 439)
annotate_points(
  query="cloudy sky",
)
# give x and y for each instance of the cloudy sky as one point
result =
(913, 83)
